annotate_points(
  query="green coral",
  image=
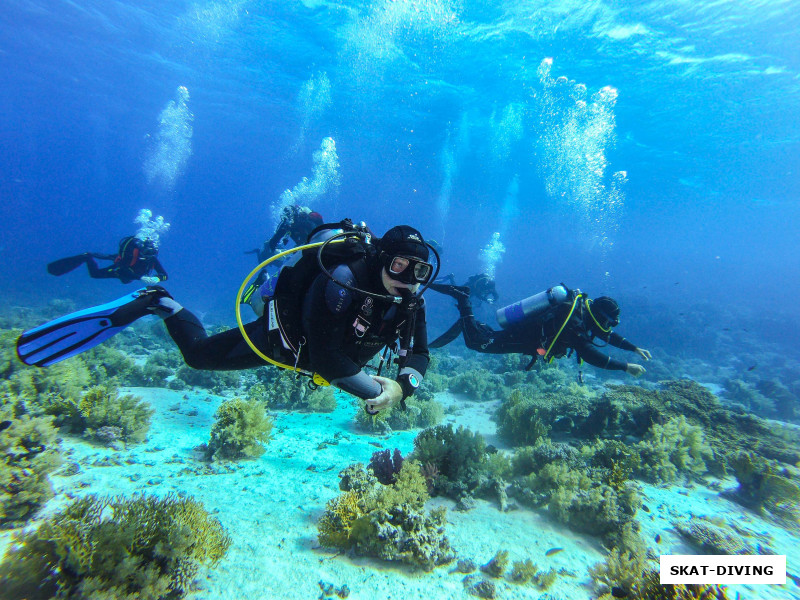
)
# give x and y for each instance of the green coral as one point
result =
(101, 407)
(622, 569)
(129, 549)
(280, 388)
(766, 486)
(497, 565)
(421, 411)
(387, 522)
(713, 538)
(240, 430)
(576, 496)
(28, 454)
(523, 571)
(459, 457)
(159, 367)
(673, 448)
(215, 381)
(478, 384)
(519, 421)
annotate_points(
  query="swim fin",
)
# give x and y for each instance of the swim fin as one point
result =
(447, 337)
(65, 265)
(77, 332)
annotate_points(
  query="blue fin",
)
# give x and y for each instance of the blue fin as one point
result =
(77, 332)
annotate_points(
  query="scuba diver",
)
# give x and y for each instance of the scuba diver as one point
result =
(330, 314)
(297, 222)
(551, 324)
(481, 286)
(136, 259)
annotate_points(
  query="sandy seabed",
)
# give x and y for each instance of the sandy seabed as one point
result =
(270, 507)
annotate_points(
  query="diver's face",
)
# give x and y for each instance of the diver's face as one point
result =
(393, 287)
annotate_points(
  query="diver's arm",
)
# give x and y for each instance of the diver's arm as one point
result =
(159, 269)
(620, 342)
(279, 234)
(326, 321)
(588, 353)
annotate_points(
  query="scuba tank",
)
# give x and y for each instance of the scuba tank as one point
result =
(531, 306)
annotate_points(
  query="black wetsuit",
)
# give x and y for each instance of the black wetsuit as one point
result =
(482, 287)
(333, 349)
(125, 270)
(531, 335)
(297, 227)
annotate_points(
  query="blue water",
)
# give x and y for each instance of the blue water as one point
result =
(460, 119)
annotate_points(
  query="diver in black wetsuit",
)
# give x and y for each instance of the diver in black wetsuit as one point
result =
(297, 222)
(327, 324)
(137, 259)
(481, 286)
(571, 325)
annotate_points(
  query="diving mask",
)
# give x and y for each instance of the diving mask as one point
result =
(409, 270)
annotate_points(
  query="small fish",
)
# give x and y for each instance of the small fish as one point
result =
(645, 508)
(677, 283)
(618, 592)
(553, 551)
(5, 425)
(376, 444)
(658, 538)
(794, 578)
(726, 329)
(750, 368)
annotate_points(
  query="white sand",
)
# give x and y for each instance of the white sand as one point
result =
(270, 507)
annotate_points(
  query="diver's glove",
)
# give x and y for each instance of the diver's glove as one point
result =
(645, 354)
(391, 394)
(149, 280)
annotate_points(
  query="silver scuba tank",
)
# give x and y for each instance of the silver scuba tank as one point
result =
(533, 305)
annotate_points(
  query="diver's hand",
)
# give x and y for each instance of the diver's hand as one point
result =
(634, 369)
(645, 354)
(149, 280)
(391, 394)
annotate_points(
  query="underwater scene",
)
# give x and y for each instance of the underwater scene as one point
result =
(398, 299)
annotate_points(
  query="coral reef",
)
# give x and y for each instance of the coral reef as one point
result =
(240, 429)
(421, 411)
(459, 457)
(672, 448)
(478, 384)
(576, 495)
(386, 521)
(713, 538)
(767, 487)
(101, 407)
(141, 548)
(523, 571)
(28, 454)
(497, 565)
(279, 388)
(519, 422)
(386, 465)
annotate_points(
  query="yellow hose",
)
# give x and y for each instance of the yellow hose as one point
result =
(318, 380)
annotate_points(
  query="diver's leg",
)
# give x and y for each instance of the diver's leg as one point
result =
(96, 272)
(221, 352)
